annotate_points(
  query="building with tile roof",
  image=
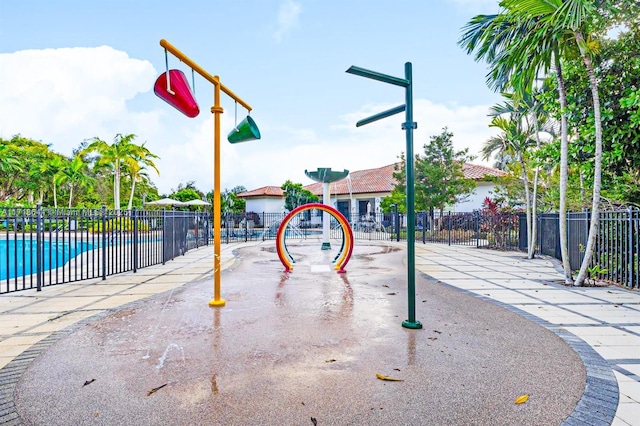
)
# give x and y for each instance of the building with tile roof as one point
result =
(362, 191)
(268, 199)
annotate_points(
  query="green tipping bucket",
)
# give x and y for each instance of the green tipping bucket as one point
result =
(247, 130)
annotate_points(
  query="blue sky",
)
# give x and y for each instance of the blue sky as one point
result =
(73, 70)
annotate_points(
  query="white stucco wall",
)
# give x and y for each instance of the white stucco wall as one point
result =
(475, 200)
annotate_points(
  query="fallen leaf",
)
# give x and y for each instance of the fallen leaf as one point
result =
(436, 331)
(314, 421)
(302, 402)
(154, 390)
(391, 294)
(330, 360)
(387, 378)
(432, 338)
(96, 414)
(396, 369)
(522, 398)
(423, 301)
(384, 285)
(88, 382)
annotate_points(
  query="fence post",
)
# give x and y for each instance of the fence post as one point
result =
(135, 239)
(39, 235)
(630, 247)
(396, 221)
(424, 227)
(104, 243)
(476, 216)
(449, 227)
(246, 227)
(164, 235)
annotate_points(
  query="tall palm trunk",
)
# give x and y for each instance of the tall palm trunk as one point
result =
(133, 188)
(534, 203)
(527, 200)
(597, 172)
(564, 167)
(70, 194)
(116, 187)
(55, 196)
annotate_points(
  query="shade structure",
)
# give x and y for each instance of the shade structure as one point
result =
(165, 202)
(196, 202)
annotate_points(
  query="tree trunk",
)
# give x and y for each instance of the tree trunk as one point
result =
(133, 188)
(70, 194)
(55, 196)
(564, 166)
(527, 200)
(533, 239)
(116, 187)
(597, 172)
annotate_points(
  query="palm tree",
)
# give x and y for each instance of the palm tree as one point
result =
(514, 140)
(572, 18)
(518, 47)
(74, 174)
(137, 173)
(52, 168)
(10, 167)
(118, 158)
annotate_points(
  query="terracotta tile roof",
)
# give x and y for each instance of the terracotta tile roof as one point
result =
(360, 182)
(477, 172)
(265, 191)
(381, 180)
(368, 181)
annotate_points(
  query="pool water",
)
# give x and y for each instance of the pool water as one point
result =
(18, 257)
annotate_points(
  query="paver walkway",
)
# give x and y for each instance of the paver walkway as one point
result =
(607, 319)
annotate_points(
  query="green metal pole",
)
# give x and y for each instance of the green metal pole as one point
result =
(408, 126)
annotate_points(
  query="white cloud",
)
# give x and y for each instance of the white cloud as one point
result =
(288, 18)
(63, 96)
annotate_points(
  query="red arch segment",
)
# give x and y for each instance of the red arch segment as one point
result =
(343, 256)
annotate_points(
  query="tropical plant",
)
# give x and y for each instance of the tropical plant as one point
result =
(519, 121)
(518, 49)
(574, 20)
(118, 158)
(439, 179)
(74, 174)
(295, 195)
(524, 40)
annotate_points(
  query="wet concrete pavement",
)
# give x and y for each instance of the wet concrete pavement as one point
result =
(289, 349)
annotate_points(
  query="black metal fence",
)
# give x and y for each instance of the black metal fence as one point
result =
(43, 246)
(617, 245)
(479, 228)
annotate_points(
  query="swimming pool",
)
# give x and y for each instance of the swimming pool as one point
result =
(19, 257)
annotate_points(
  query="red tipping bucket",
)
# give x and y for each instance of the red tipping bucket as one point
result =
(182, 99)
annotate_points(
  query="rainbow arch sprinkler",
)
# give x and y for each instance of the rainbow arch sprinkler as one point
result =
(346, 250)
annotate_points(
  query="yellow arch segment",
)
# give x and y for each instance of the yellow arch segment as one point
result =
(343, 224)
(282, 248)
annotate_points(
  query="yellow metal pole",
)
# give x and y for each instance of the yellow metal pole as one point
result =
(217, 210)
(216, 110)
